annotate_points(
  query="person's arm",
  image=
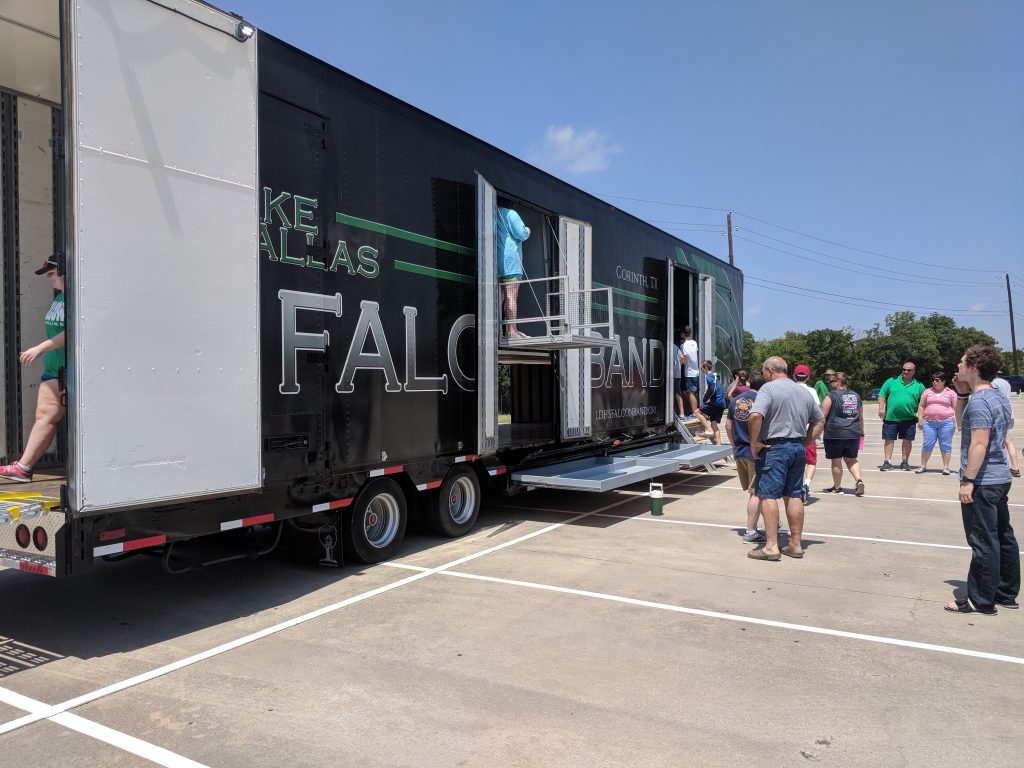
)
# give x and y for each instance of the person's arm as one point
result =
(515, 225)
(826, 406)
(920, 412)
(754, 428)
(32, 354)
(728, 430)
(732, 387)
(961, 402)
(817, 424)
(882, 394)
(975, 458)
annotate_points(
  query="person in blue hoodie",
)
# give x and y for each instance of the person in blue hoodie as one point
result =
(713, 403)
(511, 234)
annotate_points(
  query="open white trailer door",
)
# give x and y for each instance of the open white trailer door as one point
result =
(576, 240)
(486, 319)
(162, 254)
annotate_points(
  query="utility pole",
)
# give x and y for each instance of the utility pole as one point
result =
(728, 227)
(1013, 332)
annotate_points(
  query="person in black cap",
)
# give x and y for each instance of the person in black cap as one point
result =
(49, 410)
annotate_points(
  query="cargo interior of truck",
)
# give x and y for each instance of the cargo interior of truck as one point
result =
(30, 225)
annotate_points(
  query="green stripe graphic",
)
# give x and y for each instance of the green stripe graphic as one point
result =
(440, 274)
(629, 294)
(403, 234)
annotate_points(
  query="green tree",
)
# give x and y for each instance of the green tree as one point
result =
(952, 340)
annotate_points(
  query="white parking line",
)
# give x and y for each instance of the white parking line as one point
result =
(123, 741)
(50, 712)
(724, 487)
(742, 619)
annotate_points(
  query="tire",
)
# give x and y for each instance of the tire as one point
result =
(376, 524)
(456, 506)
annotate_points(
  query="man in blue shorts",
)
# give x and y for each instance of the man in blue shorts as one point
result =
(783, 422)
(897, 408)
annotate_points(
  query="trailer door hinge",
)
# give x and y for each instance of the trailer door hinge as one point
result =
(57, 144)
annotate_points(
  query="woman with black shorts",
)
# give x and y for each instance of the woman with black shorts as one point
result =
(844, 427)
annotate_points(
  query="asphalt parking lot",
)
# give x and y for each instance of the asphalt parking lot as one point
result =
(567, 629)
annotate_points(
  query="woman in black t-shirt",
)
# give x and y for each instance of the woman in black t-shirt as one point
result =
(844, 428)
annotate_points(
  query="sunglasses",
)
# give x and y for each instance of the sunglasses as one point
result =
(908, 370)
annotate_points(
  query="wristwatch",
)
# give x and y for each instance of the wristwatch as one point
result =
(966, 481)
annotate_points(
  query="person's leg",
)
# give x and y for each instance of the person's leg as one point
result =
(980, 526)
(907, 432)
(931, 434)
(511, 290)
(771, 477)
(769, 509)
(908, 447)
(837, 473)
(49, 412)
(1009, 552)
(888, 441)
(716, 436)
(679, 403)
(946, 431)
(753, 511)
(853, 464)
(795, 521)
(797, 457)
(705, 424)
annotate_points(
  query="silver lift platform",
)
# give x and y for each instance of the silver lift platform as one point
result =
(606, 473)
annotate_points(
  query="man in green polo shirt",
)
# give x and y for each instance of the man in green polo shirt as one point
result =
(897, 408)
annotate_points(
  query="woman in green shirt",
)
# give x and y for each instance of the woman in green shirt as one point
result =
(49, 410)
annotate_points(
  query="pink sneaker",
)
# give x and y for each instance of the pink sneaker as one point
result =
(16, 473)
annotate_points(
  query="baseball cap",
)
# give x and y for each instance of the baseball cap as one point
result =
(50, 263)
(801, 372)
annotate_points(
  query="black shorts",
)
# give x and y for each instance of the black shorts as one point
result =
(844, 448)
(713, 412)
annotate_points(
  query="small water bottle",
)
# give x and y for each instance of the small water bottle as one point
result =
(657, 495)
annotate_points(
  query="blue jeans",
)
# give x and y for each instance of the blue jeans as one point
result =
(780, 470)
(995, 560)
(941, 432)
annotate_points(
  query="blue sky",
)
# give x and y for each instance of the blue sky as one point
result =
(895, 128)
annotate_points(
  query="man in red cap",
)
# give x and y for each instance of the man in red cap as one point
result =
(802, 373)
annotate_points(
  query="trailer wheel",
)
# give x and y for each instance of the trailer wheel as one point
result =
(457, 506)
(376, 525)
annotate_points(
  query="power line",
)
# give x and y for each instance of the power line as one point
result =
(875, 301)
(755, 282)
(880, 269)
(794, 231)
(847, 268)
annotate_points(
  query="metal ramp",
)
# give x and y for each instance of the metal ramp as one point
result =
(689, 439)
(605, 473)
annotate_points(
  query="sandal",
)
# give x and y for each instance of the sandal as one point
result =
(1015, 472)
(760, 554)
(964, 606)
(788, 552)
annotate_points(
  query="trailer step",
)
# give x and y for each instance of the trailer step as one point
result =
(605, 473)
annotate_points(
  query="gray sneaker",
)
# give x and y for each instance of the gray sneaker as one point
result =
(860, 488)
(905, 466)
(753, 537)
(886, 466)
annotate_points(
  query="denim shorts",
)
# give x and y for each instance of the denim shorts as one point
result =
(780, 470)
(940, 432)
(690, 384)
(899, 430)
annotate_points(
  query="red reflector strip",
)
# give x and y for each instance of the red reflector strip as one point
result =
(428, 486)
(385, 471)
(332, 505)
(459, 459)
(256, 520)
(151, 541)
(498, 471)
(42, 570)
(116, 533)
(245, 522)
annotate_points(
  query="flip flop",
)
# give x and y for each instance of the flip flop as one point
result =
(964, 606)
(790, 553)
(760, 554)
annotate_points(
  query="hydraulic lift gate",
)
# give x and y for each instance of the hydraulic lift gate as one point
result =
(163, 261)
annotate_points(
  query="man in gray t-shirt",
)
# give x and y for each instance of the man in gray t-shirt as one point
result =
(994, 575)
(782, 423)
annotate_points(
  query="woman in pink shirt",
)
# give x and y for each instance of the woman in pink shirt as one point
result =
(936, 417)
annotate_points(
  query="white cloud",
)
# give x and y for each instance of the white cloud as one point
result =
(752, 311)
(979, 306)
(578, 151)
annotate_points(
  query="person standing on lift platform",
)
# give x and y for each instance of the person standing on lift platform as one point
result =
(512, 232)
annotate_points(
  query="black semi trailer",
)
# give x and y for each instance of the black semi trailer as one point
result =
(282, 301)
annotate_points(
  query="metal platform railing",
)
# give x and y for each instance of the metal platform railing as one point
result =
(564, 318)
